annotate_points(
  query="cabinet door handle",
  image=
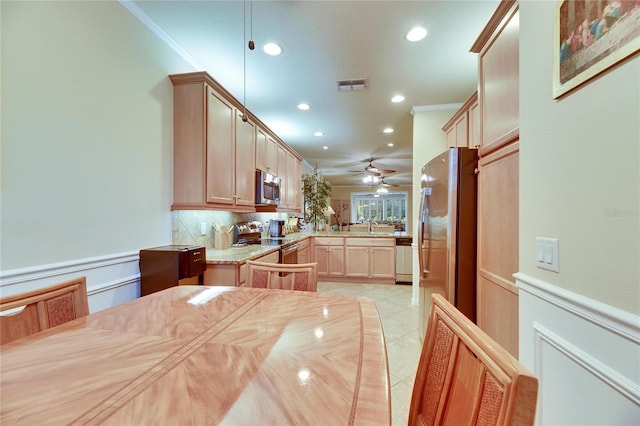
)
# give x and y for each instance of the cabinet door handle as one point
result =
(476, 171)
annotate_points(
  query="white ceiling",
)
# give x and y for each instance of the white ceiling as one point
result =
(326, 41)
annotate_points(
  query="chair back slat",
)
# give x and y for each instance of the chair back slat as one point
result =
(300, 276)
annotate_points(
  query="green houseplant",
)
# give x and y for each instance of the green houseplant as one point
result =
(316, 190)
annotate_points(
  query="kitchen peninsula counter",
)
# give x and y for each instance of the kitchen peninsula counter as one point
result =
(239, 255)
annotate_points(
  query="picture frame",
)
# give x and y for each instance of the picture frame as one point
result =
(591, 36)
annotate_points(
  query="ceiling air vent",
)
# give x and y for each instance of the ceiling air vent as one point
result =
(350, 85)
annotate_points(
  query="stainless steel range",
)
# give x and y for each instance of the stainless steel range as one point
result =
(251, 233)
(247, 233)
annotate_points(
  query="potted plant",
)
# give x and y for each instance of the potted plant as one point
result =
(316, 190)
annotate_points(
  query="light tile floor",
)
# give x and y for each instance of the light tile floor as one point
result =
(400, 324)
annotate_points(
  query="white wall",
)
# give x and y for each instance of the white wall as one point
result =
(428, 141)
(87, 142)
(580, 183)
(580, 171)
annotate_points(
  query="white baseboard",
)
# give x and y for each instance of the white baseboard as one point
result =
(586, 355)
(111, 279)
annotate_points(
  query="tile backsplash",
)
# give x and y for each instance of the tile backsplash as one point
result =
(186, 224)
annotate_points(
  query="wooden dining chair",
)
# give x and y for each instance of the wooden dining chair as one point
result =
(465, 378)
(300, 276)
(27, 313)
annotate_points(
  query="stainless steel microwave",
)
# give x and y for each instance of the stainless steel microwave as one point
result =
(267, 188)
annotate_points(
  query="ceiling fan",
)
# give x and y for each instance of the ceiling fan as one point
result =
(385, 184)
(383, 187)
(372, 170)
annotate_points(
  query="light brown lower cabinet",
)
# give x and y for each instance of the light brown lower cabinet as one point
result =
(304, 251)
(370, 258)
(328, 252)
(349, 259)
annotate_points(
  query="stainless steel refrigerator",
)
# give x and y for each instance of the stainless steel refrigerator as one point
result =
(447, 231)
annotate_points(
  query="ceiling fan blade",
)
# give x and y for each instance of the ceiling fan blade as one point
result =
(388, 185)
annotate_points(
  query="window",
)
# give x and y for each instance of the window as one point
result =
(390, 208)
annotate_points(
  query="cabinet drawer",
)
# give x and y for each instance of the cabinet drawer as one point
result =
(329, 241)
(303, 244)
(270, 258)
(371, 242)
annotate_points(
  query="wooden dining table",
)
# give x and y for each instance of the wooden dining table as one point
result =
(199, 355)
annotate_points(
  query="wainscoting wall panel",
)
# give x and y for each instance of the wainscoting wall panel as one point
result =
(111, 279)
(585, 353)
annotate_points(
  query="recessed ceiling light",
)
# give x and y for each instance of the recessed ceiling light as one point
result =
(390, 144)
(318, 134)
(272, 49)
(397, 98)
(416, 34)
(388, 130)
(303, 106)
(325, 147)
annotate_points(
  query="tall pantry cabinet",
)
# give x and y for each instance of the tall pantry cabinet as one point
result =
(498, 165)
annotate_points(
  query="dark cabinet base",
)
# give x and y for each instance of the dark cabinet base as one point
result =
(162, 267)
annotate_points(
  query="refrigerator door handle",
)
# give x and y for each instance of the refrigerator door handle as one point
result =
(423, 255)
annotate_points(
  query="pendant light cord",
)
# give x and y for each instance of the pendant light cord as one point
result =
(244, 58)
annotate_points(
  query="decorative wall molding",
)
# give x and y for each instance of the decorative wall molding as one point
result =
(615, 320)
(585, 354)
(22, 275)
(111, 279)
(603, 372)
(437, 107)
(149, 23)
(112, 285)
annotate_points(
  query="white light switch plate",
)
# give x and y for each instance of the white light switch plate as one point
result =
(547, 253)
(203, 228)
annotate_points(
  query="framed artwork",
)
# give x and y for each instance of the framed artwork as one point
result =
(590, 36)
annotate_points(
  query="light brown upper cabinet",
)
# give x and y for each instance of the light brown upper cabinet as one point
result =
(462, 129)
(211, 140)
(245, 168)
(230, 177)
(289, 170)
(498, 65)
(221, 154)
(293, 186)
(498, 168)
(266, 152)
(207, 129)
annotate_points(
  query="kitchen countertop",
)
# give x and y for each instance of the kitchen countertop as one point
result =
(238, 255)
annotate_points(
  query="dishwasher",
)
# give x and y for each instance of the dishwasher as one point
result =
(403, 260)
